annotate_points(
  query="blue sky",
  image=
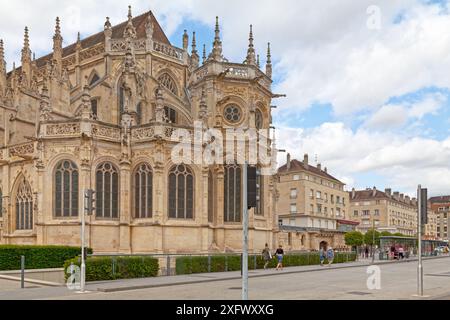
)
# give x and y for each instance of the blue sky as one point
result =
(367, 92)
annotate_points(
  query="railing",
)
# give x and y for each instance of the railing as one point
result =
(168, 50)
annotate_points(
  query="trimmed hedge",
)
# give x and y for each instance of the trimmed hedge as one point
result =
(36, 257)
(190, 265)
(113, 268)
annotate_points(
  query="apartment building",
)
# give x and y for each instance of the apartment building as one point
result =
(441, 207)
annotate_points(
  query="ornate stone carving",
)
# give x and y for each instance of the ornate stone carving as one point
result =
(106, 132)
(143, 133)
(168, 50)
(63, 129)
(22, 149)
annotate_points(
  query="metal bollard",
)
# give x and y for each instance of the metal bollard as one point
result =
(22, 272)
(168, 266)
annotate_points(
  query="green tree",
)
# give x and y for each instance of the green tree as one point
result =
(398, 234)
(386, 234)
(369, 237)
(354, 239)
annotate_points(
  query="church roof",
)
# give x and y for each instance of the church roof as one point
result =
(117, 32)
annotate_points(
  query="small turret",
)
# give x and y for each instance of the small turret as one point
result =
(57, 46)
(2, 69)
(216, 53)
(269, 62)
(185, 40)
(195, 59)
(251, 55)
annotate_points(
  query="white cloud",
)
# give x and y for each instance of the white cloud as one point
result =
(403, 162)
(387, 117)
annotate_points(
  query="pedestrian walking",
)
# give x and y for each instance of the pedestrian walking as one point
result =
(267, 256)
(279, 253)
(366, 252)
(330, 255)
(321, 256)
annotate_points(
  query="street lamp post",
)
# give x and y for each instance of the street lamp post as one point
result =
(245, 238)
(373, 239)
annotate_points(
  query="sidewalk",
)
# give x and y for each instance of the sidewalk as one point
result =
(144, 283)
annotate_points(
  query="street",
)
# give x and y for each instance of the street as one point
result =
(398, 281)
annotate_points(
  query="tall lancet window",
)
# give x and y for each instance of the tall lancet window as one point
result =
(259, 210)
(121, 100)
(107, 188)
(66, 189)
(24, 206)
(232, 189)
(211, 197)
(1, 203)
(181, 193)
(139, 113)
(143, 186)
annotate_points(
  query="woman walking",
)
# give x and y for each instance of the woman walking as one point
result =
(330, 256)
(280, 253)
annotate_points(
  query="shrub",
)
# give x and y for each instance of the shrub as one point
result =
(189, 265)
(113, 268)
(36, 257)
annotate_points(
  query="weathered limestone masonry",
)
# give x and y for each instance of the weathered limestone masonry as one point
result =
(100, 114)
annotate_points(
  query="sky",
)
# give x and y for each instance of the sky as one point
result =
(367, 82)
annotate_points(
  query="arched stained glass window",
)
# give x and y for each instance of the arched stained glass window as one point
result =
(232, 189)
(168, 83)
(259, 120)
(1, 203)
(139, 113)
(143, 197)
(211, 196)
(24, 206)
(181, 193)
(66, 189)
(107, 188)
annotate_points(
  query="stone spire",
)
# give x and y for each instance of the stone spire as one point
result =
(269, 62)
(204, 54)
(57, 41)
(195, 59)
(108, 34)
(251, 56)
(26, 51)
(130, 30)
(78, 45)
(2, 68)
(216, 53)
(185, 40)
(258, 64)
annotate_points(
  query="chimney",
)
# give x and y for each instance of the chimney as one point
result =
(402, 197)
(396, 195)
(407, 199)
(374, 191)
(325, 170)
(305, 160)
(353, 193)
(319, 166)
(288, 163)
(388, 192)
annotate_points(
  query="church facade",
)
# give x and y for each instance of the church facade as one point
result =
(100, 114)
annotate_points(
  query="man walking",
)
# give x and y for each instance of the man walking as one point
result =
(267, 256)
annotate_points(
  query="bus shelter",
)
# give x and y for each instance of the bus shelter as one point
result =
(392, 247)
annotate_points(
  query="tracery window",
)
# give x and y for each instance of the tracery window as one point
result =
(94, 106)
(232, 188)
(139, 113)
(181, 193)
(24, 206)
(258, 119)
(259, 210)
(143, 186)
(232, 113)
(211, 191)
(66, 189)
(121, 100)
(168, 83)
(107, 188)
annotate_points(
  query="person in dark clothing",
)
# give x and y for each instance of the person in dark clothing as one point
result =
(279, 253)
(266, 256)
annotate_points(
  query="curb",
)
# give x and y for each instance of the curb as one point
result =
(148, 286)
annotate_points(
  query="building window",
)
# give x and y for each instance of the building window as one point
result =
(332, 198)
(311, 193)
(168, 83)
(311, 208)
(211, 191)
(143, 192)
(94, 107)
(259, 120)
(95, 78)
(338, 212)
(170, 115)
(232, 113)
(355, 213)
(107, 188)
(319, 208)
(366, 213)
(293, 193)
(139, 113)
(24, 206)
(293, 208)
(319, 195)
(377, 212)
(66, 189)
(232, 188)
(121, 100)
(181, 193)
(259, 210)
(296, 177)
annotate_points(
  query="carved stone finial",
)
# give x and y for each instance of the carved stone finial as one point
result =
(204, 53)
(130, 30)
(195, 59)
(185, 40)
(216, 53)
(203, 107)
(149, 27)
(251, 57)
